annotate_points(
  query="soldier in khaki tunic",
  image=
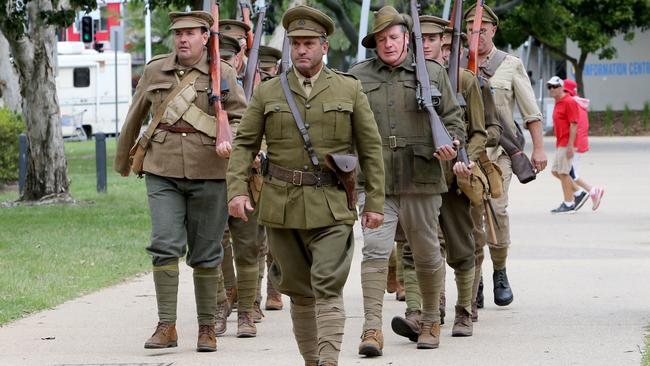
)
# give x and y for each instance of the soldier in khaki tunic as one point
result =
(185, 178)
(509, 83)
(456, 241)
(308, 219)
(415, 177)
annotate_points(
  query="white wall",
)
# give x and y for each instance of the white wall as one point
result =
(620, 81)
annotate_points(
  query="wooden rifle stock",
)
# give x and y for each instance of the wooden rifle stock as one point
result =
(246, 17)
(472, 64)
(285, 63)
(252, 75)
(439, 132)
(454, 63)
(224, 132)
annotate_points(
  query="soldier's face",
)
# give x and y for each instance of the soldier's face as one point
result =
(486, 34)
(391, 45)
(189, 43)
(431, 44)
(307, 54)
(445, 51)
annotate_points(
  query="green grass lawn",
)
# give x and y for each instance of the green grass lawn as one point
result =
(50, 254)
(646, 356)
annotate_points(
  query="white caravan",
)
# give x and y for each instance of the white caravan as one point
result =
(85, 86)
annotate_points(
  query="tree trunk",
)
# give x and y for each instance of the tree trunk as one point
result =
(580, 66)
(34, 55)
(9, 85)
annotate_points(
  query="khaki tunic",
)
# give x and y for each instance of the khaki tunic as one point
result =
(336, 114)
(176, 155)
(510, 84)
(410, 167)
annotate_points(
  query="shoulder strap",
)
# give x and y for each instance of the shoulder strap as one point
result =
(190, 78)
(298, 118)
(494, 63)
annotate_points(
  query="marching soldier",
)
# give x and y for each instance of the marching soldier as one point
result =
(415, 178)
(185, 179)
(509, 83)
(308, 217)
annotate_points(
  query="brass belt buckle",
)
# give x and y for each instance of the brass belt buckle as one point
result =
(392, 142)
(298, 174)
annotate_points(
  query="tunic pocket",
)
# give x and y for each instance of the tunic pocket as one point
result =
(338, 204)
(272, 204)
(156, 93)
(278, 121)
(426, 168)
(336, 121)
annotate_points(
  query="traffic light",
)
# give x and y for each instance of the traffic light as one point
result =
(86, 29)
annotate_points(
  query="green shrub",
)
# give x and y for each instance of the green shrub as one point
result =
(11, 125)
(645, 116)
(609, 120)
(627, 120)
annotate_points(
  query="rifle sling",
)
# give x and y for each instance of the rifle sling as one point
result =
(298, 118)
(157, 117)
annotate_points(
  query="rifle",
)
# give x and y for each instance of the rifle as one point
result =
(252, 75)
(454, 63)
(425, 100)
(224, 133)
(285, 63)
(472, 64)
(246, 17)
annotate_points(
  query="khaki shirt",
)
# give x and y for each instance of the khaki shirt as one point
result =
(510, 84)
(409, 164)
(338, 118)
(177, 155)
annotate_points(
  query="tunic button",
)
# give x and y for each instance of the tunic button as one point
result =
(181, 72)
(277, 108)
(307, 126)
(307, 105)
(339, 107)
(183, 134)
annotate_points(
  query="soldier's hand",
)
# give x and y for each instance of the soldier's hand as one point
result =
(238, 206)
(538, 159)
(224, 149)
(445, 152)
(258, 161)
(462, 170)
(371, 220)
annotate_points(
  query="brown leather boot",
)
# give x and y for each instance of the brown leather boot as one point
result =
(231, 295)
(409, 326)
(273, 298)
(245, 325)
(391, 281)
(462, 323)
(372, 343)
(257, 312)
(474, 311)
(207, 341)
(221, 318)
(311, 363)
(429, 335)
(400, 293)
(328, 363)
(163, 337)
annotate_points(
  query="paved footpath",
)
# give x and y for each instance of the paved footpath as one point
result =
(580, 283)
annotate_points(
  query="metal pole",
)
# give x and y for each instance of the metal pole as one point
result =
(446, 11)
(363, 29)
(100, 161)
(22, 162)
(116, 35)
(147, 32)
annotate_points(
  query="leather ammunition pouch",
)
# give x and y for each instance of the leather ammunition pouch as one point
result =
(493, 174)
(345, 168)
(475, 187)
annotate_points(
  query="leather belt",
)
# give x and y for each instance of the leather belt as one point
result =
(300, 178)
(175, 129)
(394, 142)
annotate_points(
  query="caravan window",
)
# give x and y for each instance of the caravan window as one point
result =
(81, 77)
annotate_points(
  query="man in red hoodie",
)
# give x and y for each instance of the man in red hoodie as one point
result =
(580, 185)
(571, 139)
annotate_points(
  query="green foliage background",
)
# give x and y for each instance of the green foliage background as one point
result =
(11, 125)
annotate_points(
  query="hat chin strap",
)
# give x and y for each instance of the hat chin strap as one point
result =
(404, 45)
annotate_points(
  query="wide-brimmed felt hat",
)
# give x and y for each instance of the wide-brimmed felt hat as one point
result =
(384, 18)
(305, 21)
(190, 19)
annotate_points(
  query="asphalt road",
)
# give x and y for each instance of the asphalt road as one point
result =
(580, 283)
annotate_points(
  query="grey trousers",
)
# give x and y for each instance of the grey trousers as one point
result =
(187, 216)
